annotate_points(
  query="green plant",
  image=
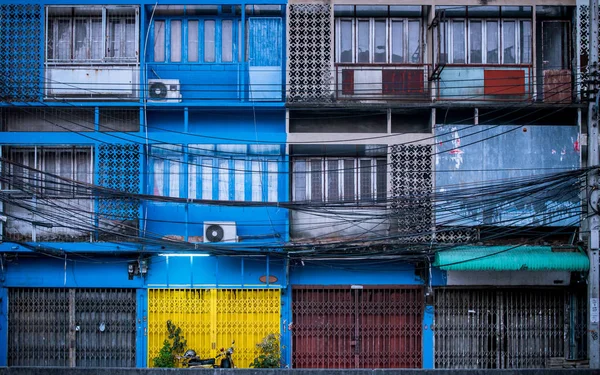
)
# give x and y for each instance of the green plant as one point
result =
(166, 355)
(165, 358)
(269, 353)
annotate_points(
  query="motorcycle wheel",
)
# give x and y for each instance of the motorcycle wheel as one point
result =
(225, 363)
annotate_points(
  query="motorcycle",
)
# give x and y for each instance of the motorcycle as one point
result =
(191, 360)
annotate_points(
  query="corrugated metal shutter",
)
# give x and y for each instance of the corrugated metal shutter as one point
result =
(212, 318)
(507, 328)
(344, 327)
(40, 322)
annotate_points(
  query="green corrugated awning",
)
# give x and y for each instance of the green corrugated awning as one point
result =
(511, 258)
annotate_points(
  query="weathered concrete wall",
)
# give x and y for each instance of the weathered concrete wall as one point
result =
(124, 371)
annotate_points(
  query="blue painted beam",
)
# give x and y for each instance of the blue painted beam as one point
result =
(428, 349)
(3, 326)
(141, 342)
(203, 103)
(90, 138)
(149, 2)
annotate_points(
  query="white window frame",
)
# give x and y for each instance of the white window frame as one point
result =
(325, 177)
(44, 181)
(104, 16)
(388, 39)
(500, 39)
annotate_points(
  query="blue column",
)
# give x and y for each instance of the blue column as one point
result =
(286, 318)
(428, 343)
(3, 327)
(141, 348)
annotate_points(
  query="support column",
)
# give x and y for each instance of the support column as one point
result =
(592, 191)
(428, 352)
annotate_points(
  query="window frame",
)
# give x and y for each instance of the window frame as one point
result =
(389, 39)
(185, 41)
(105, 15)
(43, 183)
(501, 21)
(192, 169)
(375, 196)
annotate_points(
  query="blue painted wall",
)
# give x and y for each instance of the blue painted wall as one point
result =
(80, 272)
(468, 155)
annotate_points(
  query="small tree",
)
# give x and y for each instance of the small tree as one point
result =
(166, 355)
(269, 353)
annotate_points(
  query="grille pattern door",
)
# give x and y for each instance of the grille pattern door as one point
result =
(372, 327)
(106, 318)
(38, 323)
(42, 323)
(503, 328)
(212, 318)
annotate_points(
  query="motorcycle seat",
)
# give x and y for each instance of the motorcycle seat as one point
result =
(201, 362)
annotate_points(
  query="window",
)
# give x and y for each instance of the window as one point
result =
(77, 34)
(378, 40)
(340, 179)
(208, 40)
(70, 163)
(222, 172)
(489, 41)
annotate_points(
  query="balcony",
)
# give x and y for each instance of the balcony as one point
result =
(381, 82)
(485, 83)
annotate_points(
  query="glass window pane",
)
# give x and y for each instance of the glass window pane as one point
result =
(192, 41)
(159, 41)
(381, 179)
(366, 178)
(525, 42)
(349, 180)
(363, 41)
(63, 46)
(475, 42)
(192, 179)
(414, 42)
(458, 42)
(333, 184)
(492, 42)
(174, 177)
(82, 51)
(257, 186)
(130, 41)
(115, 37)
(299, 180)
(380, 41)
(97, 35)
(227, 41)
(316, 181)
(272, 180)
(508, 40)
(397, 41)
(240, 183)
(209, 41)
(346, 41)
(175, 41)
(159, 175)
(207, 179)
(443, 42)
(223, 180)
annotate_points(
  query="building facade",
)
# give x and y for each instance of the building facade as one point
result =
(396, 185)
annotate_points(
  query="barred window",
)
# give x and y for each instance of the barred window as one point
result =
(341, 179)
(378, 40)
(74, 164)
(91, 33)
(222, 172)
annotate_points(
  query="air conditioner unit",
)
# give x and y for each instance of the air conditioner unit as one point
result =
(164, 90)
(220, 231)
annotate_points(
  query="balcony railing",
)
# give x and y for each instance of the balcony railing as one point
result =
(381, 82)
